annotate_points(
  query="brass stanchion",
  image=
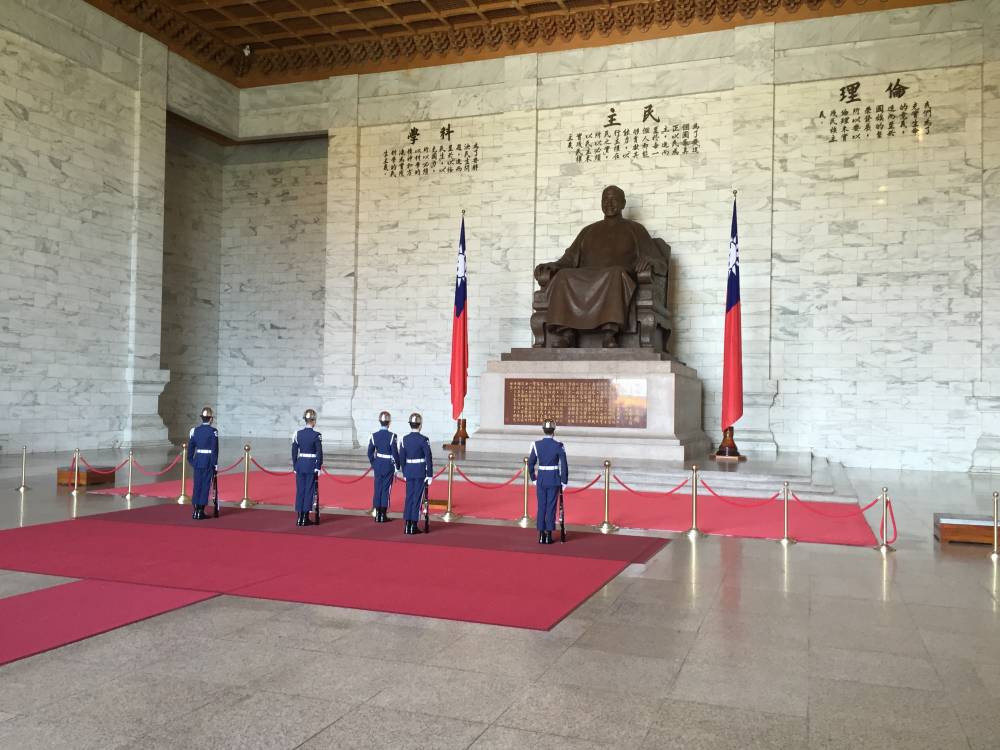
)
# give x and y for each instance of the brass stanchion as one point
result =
(694, 532)
(785, 539)
(76, 474)
(525, 520)
(24, 469)
(448, 516)
(606, 526)
(246, 502)
(885, 547)
(128, 495)
(183, 497)
(996, 553)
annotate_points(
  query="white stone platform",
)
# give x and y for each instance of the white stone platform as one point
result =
(673, 429)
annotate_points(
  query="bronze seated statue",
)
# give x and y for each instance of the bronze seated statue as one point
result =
(609, 288)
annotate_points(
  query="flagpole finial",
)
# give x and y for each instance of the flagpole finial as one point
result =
(734, 193)
(463, 212)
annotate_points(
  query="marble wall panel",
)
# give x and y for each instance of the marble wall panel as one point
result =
(66, 174)
(192, 252)
(202, 98)
(877, 271)
(272, 286)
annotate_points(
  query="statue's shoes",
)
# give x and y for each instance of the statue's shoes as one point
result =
(610, 341)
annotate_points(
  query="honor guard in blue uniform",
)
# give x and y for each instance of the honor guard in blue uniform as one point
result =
(417, 465)
(203, 455)
(383, 455)
(307, 459)
(549, 470)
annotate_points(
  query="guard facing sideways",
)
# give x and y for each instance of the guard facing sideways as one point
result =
(307, 459)
(417, 465)
(549, 470)
(383, 455)
(203, 455)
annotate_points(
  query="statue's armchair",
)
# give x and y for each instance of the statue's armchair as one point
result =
(648, 324)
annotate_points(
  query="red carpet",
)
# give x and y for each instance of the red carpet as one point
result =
(742, 517)
(52, 617)
(449, 573)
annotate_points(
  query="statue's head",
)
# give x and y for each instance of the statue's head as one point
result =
(612, 201)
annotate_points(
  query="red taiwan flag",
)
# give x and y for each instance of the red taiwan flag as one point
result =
(460, 334)
(732, 360)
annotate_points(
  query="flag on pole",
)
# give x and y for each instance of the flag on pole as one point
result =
(460, 334)
(732, 359)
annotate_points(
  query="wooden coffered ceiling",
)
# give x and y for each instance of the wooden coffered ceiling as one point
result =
(295, 40)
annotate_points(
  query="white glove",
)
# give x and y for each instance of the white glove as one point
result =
(317, 472)
(563, 486)
(428, 481)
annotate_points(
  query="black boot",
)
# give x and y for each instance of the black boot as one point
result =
(378, 515)
(194, 512)
(541, 537)
(307, 520)
(406, 527)
(298, 518)
(548, 537)
(385, 515)
(415, 527)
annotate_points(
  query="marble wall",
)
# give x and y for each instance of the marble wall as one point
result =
(271, 298)
(192, 255)
(80, 217)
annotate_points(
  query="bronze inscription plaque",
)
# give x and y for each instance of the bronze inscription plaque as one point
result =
(575, 402)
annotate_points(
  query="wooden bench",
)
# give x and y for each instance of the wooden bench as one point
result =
(955, 527)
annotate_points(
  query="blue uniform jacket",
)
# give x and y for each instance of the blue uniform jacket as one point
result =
(415, 457)
(203, 447)
(307, 450)
(547, 463)
(383, 452)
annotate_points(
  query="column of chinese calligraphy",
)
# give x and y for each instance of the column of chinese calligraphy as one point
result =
(415, 161)
(880, 120)
(571, 402)
(645, 140)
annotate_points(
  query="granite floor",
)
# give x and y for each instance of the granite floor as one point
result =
(719, 643)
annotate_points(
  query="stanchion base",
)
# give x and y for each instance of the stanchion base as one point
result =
(74, 493)
(23, 488)
(373, 513)
(885, 548)
(607, 528)
(247, 503)
(128, 496)
(694, 533)
(448, 516)
(786, 541)
(183, 500)
(524, 522)
(995, 557)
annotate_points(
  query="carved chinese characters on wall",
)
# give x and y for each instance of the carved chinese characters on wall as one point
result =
(634, 132)
(429, 153)
(888, 113)
(576, 402)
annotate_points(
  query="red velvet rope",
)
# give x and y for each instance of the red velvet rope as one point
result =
(487, 486)
(143, 470)
(441, 471)
(835, 515)
(231, 466)
(102, 471)
(348, 481)
(268, 471)
(892, 517)
(587, 486)
(742, 505)
(649, 493)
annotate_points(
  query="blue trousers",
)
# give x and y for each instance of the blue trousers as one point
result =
(548, 497)
(305, 489)
(414, 496)
(383, 487)
(202, 484)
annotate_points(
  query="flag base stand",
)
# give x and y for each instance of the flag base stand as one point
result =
(458, 441)
(728, 452)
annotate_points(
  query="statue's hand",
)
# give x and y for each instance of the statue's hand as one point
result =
(544, 271)
(642, 264)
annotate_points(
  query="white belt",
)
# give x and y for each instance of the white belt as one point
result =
(414, 460)
(382, 455)
(307, 455)
(547, 468)
(202, 450)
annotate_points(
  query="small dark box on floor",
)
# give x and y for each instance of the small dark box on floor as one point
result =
(88, 477)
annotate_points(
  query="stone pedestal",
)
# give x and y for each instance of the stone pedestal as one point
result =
(672, 431)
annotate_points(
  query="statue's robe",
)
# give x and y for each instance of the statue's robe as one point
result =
(596, 279)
